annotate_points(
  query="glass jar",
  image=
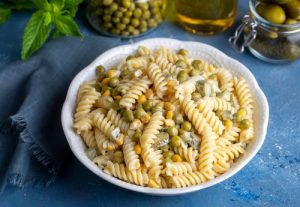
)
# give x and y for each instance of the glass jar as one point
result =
(206, 17)
(275, 43)
(125, 18)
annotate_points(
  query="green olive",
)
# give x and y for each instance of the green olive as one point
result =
(100, 69)
(136, 136)
(272, 12)
(182, 76)
(183, 52)
(139, 113)
(244, 124)
(277, 1)
(290, 21)
(113, 7)
(128, 115)
(107, 2)
(187, 126)
(148, 105)
(168, 154)
(137, 13)
(175, 141)
(196, 64)
(178, 118)
(293, 9)
(172, 131)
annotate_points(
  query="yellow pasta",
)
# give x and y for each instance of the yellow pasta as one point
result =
(162, 119)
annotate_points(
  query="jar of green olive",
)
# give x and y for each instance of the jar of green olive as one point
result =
(271, 30)
(125, 18)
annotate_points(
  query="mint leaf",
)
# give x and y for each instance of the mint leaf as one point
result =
(42, 4)
(35, 34)
(5, 14)
(59, 3)
(66, 25)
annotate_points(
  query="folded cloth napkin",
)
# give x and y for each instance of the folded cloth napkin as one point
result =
(32, 143)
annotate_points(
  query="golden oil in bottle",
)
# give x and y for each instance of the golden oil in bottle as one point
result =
(206, 17)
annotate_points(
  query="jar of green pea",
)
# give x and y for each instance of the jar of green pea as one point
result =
(125, 18)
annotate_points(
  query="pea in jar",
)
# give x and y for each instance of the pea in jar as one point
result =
(271, 30)
(125, 18)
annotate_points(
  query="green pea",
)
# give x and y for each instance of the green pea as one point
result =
(172, 131)
(128, 14)
(107, 25)
(139, 113)
(144, 6)
(130, 28)
(135, 32)
(121, 26)
(115, 31)
(99, 12)
(126, 3)
(152, 23)
(106, 18)
(194, 72)
(213, 77)
(164, 148)
(125, 33)
(180, 63)
(132, 7)
(118, 14)
(143, 29)
(125, 20)
(107, 11)
(168, 154)
(116, 106)
(101, 76)
(135, 22)
(118, 154)
(146, 14)
(129, 57)
(166, 160)
(187, 126)
(100, 69)
(115, 19)
(113, 7)
(182, 76)
(128, 115)
(122, 9)
(196, 64)
(136, 136)
(148, 105)
(183, 52)
(245, 124)
(113, 82)
(178, 118)
(107, 2)
(175, 141)
(137, 13)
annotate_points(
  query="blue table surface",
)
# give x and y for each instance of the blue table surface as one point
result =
(272, 178)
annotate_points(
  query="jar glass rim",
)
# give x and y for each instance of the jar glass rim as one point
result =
(253, 4)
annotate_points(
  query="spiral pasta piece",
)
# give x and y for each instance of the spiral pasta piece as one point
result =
(117, 120)
(178, 168)
(142, 50)
(247, 134)
(150, 156)
(157, 78)
(105, 102)
(132, 95)
(189, 154)
(103, 142)
(231, 134)
(137, 62)
(221, 166)
(117, 170)
(185, 180)
(219, 104)
(211, 117)
(226, 80)
(165, 66)
(125, 85)
(185, 89)
(168, 54)
(131, 158)
(89, 138)
(84, 88)
(229, 153)
(243, 94)
(101, 161)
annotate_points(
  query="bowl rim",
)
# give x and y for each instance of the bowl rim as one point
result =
(71, 135)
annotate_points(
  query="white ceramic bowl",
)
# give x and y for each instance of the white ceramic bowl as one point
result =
(196, 49)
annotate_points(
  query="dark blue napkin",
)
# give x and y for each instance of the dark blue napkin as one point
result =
(32, 143)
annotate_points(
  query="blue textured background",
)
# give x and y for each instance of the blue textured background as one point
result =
(272, 178)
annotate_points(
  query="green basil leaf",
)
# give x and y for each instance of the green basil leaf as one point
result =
(59, 3)
(5, 14)
(72, 3)
(35, 34)
(42, 4)
(66, 25)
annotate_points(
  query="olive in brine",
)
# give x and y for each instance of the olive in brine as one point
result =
(293, 9)
(272, 12)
